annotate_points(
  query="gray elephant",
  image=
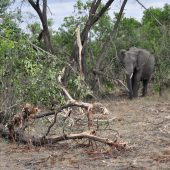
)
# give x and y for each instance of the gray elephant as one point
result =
(139, 65)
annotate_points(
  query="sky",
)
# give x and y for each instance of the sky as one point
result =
(63, 8)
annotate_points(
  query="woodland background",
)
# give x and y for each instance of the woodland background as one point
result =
(31, 62)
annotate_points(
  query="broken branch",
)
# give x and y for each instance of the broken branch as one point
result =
(21, 137)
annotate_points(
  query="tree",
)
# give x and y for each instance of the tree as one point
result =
(42, 13)
(3, 6)
(105, 46)
(95, 13)
(129, 33)
(155, 36)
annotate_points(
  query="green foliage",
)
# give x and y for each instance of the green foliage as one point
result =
(129, 33)
(78, 88)
(153, 15)
(25, 73)
(3, 5)
(34, 28)
(156, 37)
(31, 75)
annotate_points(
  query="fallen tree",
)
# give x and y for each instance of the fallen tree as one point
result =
(15, 129)
(16, 132)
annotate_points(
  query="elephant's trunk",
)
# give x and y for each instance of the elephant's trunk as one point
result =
(129, 84)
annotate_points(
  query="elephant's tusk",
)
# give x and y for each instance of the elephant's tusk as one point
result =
(131, 76)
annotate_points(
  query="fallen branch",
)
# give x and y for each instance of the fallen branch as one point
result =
(23, 138)
(87, 106)
(51, 125)
(60, 109)
(89, 109)
(61, 85)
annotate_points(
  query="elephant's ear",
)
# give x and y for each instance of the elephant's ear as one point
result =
(122, 54)
(141, 59)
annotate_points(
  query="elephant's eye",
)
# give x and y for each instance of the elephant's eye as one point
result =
(123, 63)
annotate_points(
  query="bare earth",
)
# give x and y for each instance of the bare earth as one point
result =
(144, 124)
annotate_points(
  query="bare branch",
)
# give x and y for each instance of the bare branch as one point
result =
(52, 124)
(78, 104)
(102, 11)
(149, 12)
(80, 48)
(35, 6)
(38, 3)
(62, 87)
(94, 7)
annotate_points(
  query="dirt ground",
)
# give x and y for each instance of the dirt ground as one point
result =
(143, 123)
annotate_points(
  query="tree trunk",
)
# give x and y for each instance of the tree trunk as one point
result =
(42, 13)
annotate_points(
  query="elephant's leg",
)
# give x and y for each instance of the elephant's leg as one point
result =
(133, 80)
(145, 86)
(136, 88)
(136, 83)
(129, 84)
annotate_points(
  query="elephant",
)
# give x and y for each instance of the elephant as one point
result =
(138, 65)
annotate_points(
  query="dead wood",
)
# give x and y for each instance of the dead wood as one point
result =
(17, 133)
(80, 47)
(52, 124)
(88, 106)
(77, 104)
(25, 139)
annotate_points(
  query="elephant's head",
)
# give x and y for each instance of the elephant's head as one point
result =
(129, 62)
